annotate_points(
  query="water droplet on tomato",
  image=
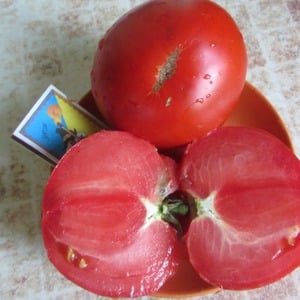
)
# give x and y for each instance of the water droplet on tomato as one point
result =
(186, 180)
(207, 76)
(168, 101)
(213, 45)
(199, 100)
(208, 96)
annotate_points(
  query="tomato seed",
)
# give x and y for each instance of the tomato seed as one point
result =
(82, 263)
(71, 255)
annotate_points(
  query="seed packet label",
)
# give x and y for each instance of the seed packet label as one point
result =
(54, 124)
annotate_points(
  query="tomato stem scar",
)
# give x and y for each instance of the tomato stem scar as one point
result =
(171, 208)
(167, 70)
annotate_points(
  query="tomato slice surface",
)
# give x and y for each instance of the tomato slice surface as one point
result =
(100, 219)
(246, 186)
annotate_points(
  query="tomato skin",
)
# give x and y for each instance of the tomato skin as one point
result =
(96, 224)
(246, 184)
(209, 69)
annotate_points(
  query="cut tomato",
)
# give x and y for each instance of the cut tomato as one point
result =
(101, 220)
(245, 185)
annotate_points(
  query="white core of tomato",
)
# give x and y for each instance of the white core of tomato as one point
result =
(206, 208)
(152, 212)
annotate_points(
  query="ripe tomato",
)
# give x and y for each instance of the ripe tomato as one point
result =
(101, 222)
(246, 187)
(170, 71)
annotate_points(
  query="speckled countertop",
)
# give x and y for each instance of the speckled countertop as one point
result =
(46, 42)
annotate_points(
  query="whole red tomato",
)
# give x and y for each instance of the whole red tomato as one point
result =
(170, 71)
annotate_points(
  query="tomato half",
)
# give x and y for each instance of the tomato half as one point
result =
(246, 188)
(170, 71)
(101, 222)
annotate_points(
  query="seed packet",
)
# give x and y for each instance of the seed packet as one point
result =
(54, 124)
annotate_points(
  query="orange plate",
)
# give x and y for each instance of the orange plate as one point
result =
(253, 110)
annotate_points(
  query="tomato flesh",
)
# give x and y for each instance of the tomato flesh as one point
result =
(103, 227)
(170, 71)
(246, 186)
(100, 219)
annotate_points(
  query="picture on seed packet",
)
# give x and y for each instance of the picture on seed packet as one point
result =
(54, 124)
